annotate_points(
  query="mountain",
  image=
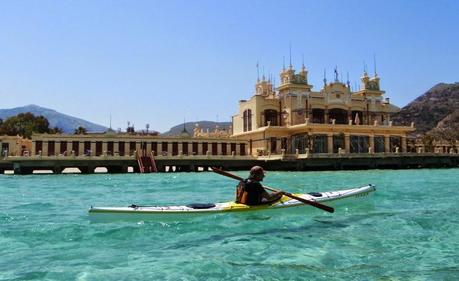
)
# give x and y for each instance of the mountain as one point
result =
(438, 108)
(189, 126)
(65, 122)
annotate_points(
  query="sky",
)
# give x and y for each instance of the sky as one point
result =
(163, 62)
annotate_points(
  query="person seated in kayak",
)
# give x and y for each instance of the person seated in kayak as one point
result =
(251, 192)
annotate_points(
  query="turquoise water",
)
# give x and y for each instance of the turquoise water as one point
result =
(407, 230)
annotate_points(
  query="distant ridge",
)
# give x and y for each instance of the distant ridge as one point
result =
(436, 108)
(56, 119)
(189, 126)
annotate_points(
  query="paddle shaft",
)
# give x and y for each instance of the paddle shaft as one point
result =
(305, 201)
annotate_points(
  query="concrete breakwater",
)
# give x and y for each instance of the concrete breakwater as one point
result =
(117, 164)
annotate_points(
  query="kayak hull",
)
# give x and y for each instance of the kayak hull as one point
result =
(133, 211)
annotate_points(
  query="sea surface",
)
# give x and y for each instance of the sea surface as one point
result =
(407, 230)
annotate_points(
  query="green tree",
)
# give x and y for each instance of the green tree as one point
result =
(80, 131)
(25, 124)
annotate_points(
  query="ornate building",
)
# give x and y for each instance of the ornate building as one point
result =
(294, 119)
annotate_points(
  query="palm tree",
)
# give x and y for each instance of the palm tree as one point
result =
(80, 131)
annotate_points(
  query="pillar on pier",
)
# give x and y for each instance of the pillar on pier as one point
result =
(148, 147)
(347, 142)
(104, 148)
(93, 148)
(127, 150)
(69, 148)
(138, 146)
(200, 150)
(160, 148)
(116, 148)
(403, 140)
(387, 143)
(190, 148)
(169, 148)
(330, 143)
(44, 149)
(32, 153)
(81, 148)
(57, 148)
(372, 143)
(219, 148)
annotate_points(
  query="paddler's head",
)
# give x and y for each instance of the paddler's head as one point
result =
(257, 173)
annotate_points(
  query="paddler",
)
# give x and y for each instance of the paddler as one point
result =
(251, 192)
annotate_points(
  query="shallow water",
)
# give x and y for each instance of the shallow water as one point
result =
(407, 230)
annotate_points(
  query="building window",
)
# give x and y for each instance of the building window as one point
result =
(224, 148)
(164, 145)
(273, 142)
(233, 148)
(271, 116)
(205, 148)
(214, 148)
(51, 151)
(110, 148)
(38, 147)
(185, 148)
(132, 147)
(320, 144)
(154, 148)
(338, 142)
(87, 148)
(194, 148)
(76, 147)
(358, 119)
(359, 144)
(318, 115)
(340, 115)
(242, 147)
(379, 144)
(98, 148)
(247, 120)
(174, 148)
(300, 142)
(395, 142)
(121, 148)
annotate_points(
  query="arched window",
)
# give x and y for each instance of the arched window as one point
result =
(247, 119)
(340, 115)
(271, 116)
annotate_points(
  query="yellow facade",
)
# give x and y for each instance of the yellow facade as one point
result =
(294, 119)
(112, 144)
(14, 146)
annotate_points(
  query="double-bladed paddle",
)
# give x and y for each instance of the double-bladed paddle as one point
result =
(309, 202)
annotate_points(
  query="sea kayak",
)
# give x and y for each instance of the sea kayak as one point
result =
(228, 207)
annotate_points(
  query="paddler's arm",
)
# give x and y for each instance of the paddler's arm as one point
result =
(272, 196)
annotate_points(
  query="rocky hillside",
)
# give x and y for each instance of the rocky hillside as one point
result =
(56, 119)
(437, 108)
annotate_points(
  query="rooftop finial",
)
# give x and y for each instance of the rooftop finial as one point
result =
(374, 62)
(336, 73)
(365, 68)
(263, 77)
(258, 72)
(302, 62)
(290, 53)
(283, 63)
(325, 77)
(347, 82)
